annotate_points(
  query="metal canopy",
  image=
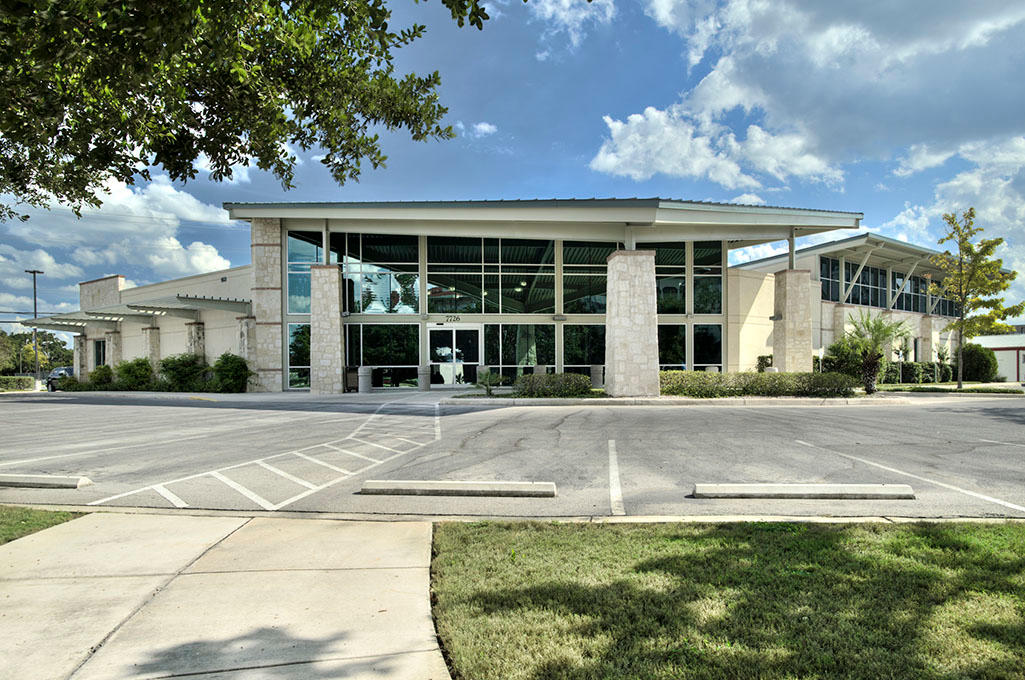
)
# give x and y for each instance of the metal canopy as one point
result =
(141, 311)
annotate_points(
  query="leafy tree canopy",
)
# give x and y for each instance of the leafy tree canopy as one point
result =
(102, 90)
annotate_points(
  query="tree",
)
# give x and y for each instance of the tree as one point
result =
(870, 335)
(972, 279)
(101, 90)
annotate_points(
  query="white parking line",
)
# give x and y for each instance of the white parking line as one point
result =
(966, 492)
(380, 446)
(350, 453)
(320, 462)
(286, 475)
(993, 441)
(615, 490)
(437, 422)
(254, 497)
(173, 499)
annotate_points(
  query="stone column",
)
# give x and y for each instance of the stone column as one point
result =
(81, 358)
(247, 347)
(840, 315)
(327, 344)
(266, 296)
(791, 329)
(631, 325)
(195, 338)
(151, 338)
(113, 339)
(927, 341)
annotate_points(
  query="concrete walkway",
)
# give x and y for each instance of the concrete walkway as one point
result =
(110, 596)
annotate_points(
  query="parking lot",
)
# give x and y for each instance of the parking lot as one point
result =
(297, 452)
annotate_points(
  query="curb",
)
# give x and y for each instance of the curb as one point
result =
(389, 487)
(806, 491)
(682, 401)
(43, 482)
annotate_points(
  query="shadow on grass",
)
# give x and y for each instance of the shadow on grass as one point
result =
(766, 601)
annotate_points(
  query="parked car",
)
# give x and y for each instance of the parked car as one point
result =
(56, 374)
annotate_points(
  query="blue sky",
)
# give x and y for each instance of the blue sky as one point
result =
(903, 111)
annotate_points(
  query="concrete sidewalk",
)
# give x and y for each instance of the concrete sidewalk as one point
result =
(112, 596)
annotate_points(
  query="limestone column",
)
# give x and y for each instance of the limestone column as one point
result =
(113, 339)
(327, 346)
(195, 338)
(791, 329)
(631, 325)
(926, 344)
(840, 315)
(81, 357)
(266, 297)
(151, 339)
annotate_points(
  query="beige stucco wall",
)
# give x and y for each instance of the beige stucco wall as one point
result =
(100, 292)
(749, 306)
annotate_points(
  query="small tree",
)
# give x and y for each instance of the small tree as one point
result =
(870, 334)
(489, 380)
(972, 279)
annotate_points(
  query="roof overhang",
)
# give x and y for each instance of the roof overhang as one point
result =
(142, 311)
(633, 219)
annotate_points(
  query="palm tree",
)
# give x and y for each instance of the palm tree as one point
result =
(870, 334)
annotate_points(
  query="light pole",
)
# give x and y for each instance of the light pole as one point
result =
(35, 315)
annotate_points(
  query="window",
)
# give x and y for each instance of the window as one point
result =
(707, 346)
(670, 277)
(708, 277)
(584, 276)
(582, 347)
(474, 275)
(99, 352)
(303, 250)
(392, 349)
(514, 349)
(298, 356)
(382, 272)
(672, 347)
(829, 279)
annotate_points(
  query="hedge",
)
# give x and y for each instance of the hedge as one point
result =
(980, 363)
(178, 373)
(553, 385)
(10, 383)
(708, 385)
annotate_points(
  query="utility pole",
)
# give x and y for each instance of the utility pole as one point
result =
(35, 315)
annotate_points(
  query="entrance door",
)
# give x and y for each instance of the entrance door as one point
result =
(455, 354)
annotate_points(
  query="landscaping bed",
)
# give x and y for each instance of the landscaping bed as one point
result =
(948, 390)
(745, 600)
(16, 522)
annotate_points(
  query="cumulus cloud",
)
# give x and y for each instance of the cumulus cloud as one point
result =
(136, 226)
(482, 129)
(824, 84)
(14, 262)
(569, 18)
(748, 199)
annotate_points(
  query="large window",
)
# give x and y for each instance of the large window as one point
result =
(583, 345)
(298, 356)
(99, 352)
(913, 299)
(381, 272)
(392, 349)
(708, 277)
(672, 347)
(670, 277)
(829, 278)
(474, 275)
(584, 276)
(870, 288)
(514, 349)
(303, 249)
(707, 346)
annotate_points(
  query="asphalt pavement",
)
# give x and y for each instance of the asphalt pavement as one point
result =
(301, 453)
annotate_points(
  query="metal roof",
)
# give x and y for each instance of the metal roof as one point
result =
(186, 306)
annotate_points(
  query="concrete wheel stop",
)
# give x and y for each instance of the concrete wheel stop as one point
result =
(44, 481)
(807, 491)
(389, 487)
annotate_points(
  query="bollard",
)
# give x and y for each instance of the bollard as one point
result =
(365, 374)
(539, 369)
(771, 369)
(423, 378)
(711, 369)
(597, 375)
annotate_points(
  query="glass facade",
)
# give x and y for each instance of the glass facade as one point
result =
(708, 263)
(672, 347)
(583, 345)
(584, 275)
(670, 276)
(870, 288)
(393, 349)
(298, 356)
(707, 346)
(514, 349)
(303, 248)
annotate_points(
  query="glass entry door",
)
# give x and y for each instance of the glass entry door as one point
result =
(455, 354)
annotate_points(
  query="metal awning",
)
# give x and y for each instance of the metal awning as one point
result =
(140, 311)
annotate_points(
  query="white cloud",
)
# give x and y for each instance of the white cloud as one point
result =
(748, 199)
(14, 262)
(483, 129)
(921, 157)
(136, 226)
(571, 18)
(239, 173)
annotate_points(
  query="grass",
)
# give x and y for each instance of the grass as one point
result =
(594, 394)
(935, 388)
(16, 522)
(747, 600)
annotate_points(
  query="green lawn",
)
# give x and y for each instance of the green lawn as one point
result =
(748, 600)
(17, 522)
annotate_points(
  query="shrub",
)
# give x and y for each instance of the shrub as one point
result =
(710, 385)
(764, 362)
(489, 380)
(930, 371)
(16, 382)
(890, 373)
(911, 372)
(135, 374)
(231, 373)
(71, 384)
(946, 373)
(980, 363)
(843, 356)
(185, 373)
(102, 377)
(553, 385)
